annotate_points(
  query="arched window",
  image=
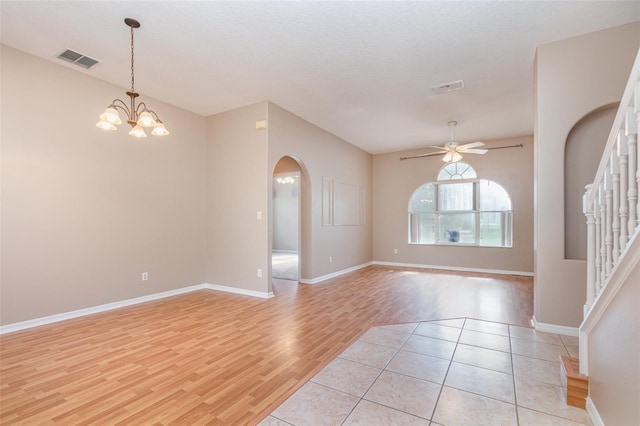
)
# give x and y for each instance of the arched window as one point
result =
(470, 211)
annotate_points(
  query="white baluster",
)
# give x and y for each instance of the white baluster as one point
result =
(587, 208)
(603, 235)
(614, 165)
(609, 234)
(634, 208)
(596, 215)
(624, 201)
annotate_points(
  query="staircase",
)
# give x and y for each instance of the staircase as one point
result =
(611, 206)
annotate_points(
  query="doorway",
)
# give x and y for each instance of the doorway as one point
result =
(285, 249)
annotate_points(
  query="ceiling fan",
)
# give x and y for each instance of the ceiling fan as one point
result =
(452, 151)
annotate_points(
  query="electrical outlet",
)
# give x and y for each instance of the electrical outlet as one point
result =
(145, 276)
(395, 251)
(330, 259)
(259, 273)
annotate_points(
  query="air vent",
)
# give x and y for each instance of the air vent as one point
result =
(78, 59)
(449, 87)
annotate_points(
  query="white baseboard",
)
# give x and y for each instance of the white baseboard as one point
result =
(593, 413)
(453, 268)
(554, 328)
(334, 274)
(235, 290)
(23, 325)
(95, 309)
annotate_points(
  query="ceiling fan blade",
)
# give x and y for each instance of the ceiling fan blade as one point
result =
(441, 148)
(463, 148)
(474, 151)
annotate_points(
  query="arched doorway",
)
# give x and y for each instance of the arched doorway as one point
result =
(287, 188)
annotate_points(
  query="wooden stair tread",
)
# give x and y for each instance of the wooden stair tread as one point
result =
(576, 385)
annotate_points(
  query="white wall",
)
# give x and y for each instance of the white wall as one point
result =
(322, 154)
(238, 187)
(84, 211)
(573, 78)
(394, 182)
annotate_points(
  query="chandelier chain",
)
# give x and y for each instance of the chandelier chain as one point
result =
(132, 74)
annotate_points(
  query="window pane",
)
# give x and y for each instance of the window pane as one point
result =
(424, 199)
(457, 170)
(457, 227)
(493, 196)
(422, 228)
(455, 196)
(495, 229)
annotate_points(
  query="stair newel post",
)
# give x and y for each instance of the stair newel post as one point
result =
(587, 209)
(614, 164)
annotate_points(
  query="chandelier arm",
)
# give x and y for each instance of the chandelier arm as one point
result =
(122, 107)
(143, 107)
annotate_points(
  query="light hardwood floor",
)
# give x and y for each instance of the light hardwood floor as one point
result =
(218, 358)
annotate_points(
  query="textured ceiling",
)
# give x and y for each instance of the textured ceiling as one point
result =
(361, 70)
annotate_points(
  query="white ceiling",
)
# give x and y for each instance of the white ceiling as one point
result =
(361, 70)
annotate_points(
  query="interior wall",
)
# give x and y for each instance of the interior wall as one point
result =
(84, 211)
(323, 155)
(583, 151)
(394, 182)
(238, 200)
(573, 77)
(614, 357)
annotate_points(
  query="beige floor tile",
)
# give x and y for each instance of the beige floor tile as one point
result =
(272, 421)
(537, 369)
(430, 346)
(459, 408)
(347, 376)
(481, 381)
(385, 337)
(369, 354)
(572, 344)
(548, 399)
(404, 328)
(532, 334)
(421, 366)
(535, 418)
(404, 393)
(314, 404)
(369, 413)
(456, 322)
(485, 358)
(438, 331)
(487, 327)
(485, 340)
(537, 349)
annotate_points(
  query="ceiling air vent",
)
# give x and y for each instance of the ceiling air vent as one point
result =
(449, 87)
(78, 59)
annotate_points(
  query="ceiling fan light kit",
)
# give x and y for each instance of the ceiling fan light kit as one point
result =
(138, 116)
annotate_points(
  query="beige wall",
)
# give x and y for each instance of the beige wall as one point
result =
(84, 211)
(573, 78)
(394, 182)
(322, 154)
(614, 357)
(238, 187)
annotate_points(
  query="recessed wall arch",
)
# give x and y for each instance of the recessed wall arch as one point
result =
(290, 187)
(582, 153)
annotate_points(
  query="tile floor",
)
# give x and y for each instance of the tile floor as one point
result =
(449, 372)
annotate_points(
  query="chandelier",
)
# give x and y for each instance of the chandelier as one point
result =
(138, 116)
